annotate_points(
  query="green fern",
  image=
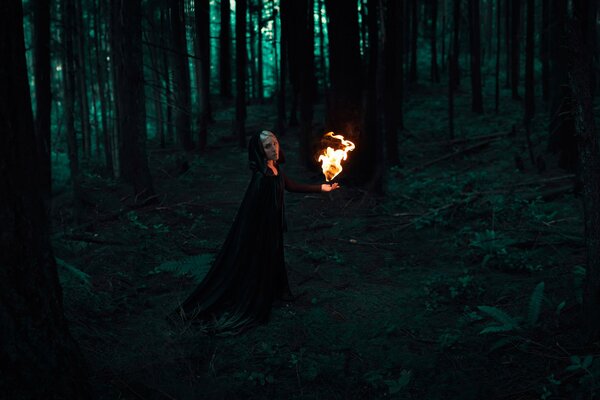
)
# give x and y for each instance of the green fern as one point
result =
(507, 322)
(195, 266)
(535, 304)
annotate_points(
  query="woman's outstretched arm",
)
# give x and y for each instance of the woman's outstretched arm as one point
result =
(292, 186)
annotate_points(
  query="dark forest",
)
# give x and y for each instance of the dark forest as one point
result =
(459, 258)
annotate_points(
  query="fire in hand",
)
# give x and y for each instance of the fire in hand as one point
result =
(331, 160)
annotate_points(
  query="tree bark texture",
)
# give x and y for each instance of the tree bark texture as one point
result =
(40, 359)
(241, 63)
(129, 85)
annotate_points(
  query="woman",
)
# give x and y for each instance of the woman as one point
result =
(249, 271)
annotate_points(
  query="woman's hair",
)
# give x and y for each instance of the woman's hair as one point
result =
(265, 134)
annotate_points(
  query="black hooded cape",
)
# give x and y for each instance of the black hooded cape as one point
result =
(249, 270)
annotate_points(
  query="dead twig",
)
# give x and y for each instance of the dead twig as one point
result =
(467, 149)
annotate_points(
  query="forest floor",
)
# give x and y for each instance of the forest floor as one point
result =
(397, 289)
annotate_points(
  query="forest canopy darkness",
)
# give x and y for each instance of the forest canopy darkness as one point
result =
(474, 189)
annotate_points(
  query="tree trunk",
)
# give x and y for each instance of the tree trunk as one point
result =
(260, 87)
(544, 50)
(241, 64)
(100, 69)
(283, 46)
(40, 359)
(69, 98)
(435, 74)
(529, 80)
(561, 122)
(345, 109)
(202, 19)
(475, 42)
(252, 81)
(456, 15)
(181, 75)
(589, 155)
(390, 97)
(225, 50)
(399, 33)
(322, 49)
(507, 36)
(126, 24)
(86, 133)
(307, 87)
(413, 76)
(43, 94)
(498, 36)
(514, 48)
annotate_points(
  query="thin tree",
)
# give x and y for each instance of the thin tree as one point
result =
(241, 63)
(202, 19)
(260, 87)
(68, 16)
(307, 80)
(414, 23)
(475, 44)
(225, 50)
(580, 71)
(390, 97)
(282, 77)
(498, 24)
(181, 75)
(529, 53)
(126, 24)
(514, 48)
(453, 56)
(40, 358)
(81, 68)
(544, 50)
(43, 94)
(435, 72)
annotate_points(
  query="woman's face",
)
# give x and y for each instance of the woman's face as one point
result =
(271, 147)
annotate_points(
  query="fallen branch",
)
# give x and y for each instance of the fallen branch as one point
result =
(472, 138)
(467, 149)
(87, 239)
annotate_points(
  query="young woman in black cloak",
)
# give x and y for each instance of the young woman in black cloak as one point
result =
(249, 272)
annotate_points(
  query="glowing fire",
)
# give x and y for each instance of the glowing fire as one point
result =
(331, 160)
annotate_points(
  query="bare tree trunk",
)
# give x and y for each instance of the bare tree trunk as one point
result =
(283, 46)
(475, 42)
(507, 36)
(413, 75)
(202, 19)
(529, 52)
(225, 50)
(126, 25)
(40, 359)
(390, 97)
(589, 156)
(544, 39)
(260, 87)
(86, 133)
(456, 15)
(252, 79)
(435, 73)
(498, 37)
(156, 77)
(514, 49)
(181, 76)
(68, 18)
(241, 64)
(43, 94)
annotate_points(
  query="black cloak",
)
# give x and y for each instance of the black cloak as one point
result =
(249, 270)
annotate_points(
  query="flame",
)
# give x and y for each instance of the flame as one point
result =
(332, 159)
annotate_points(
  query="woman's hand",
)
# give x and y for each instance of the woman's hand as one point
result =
(326, 187)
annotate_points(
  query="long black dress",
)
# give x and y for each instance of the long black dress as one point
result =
(249, 270)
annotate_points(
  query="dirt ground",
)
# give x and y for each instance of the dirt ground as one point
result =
(392, 286)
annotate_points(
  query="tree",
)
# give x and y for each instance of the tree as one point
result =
(202, 19)
(529, 47)
(43, 94)
(40, 359)
(475, 44)
(390, 95)
(580, 72)
(344, 112)
(181, 75)
(241, 63)
(514, 48)
(225, 50)
(126, 24)
(435, 73)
